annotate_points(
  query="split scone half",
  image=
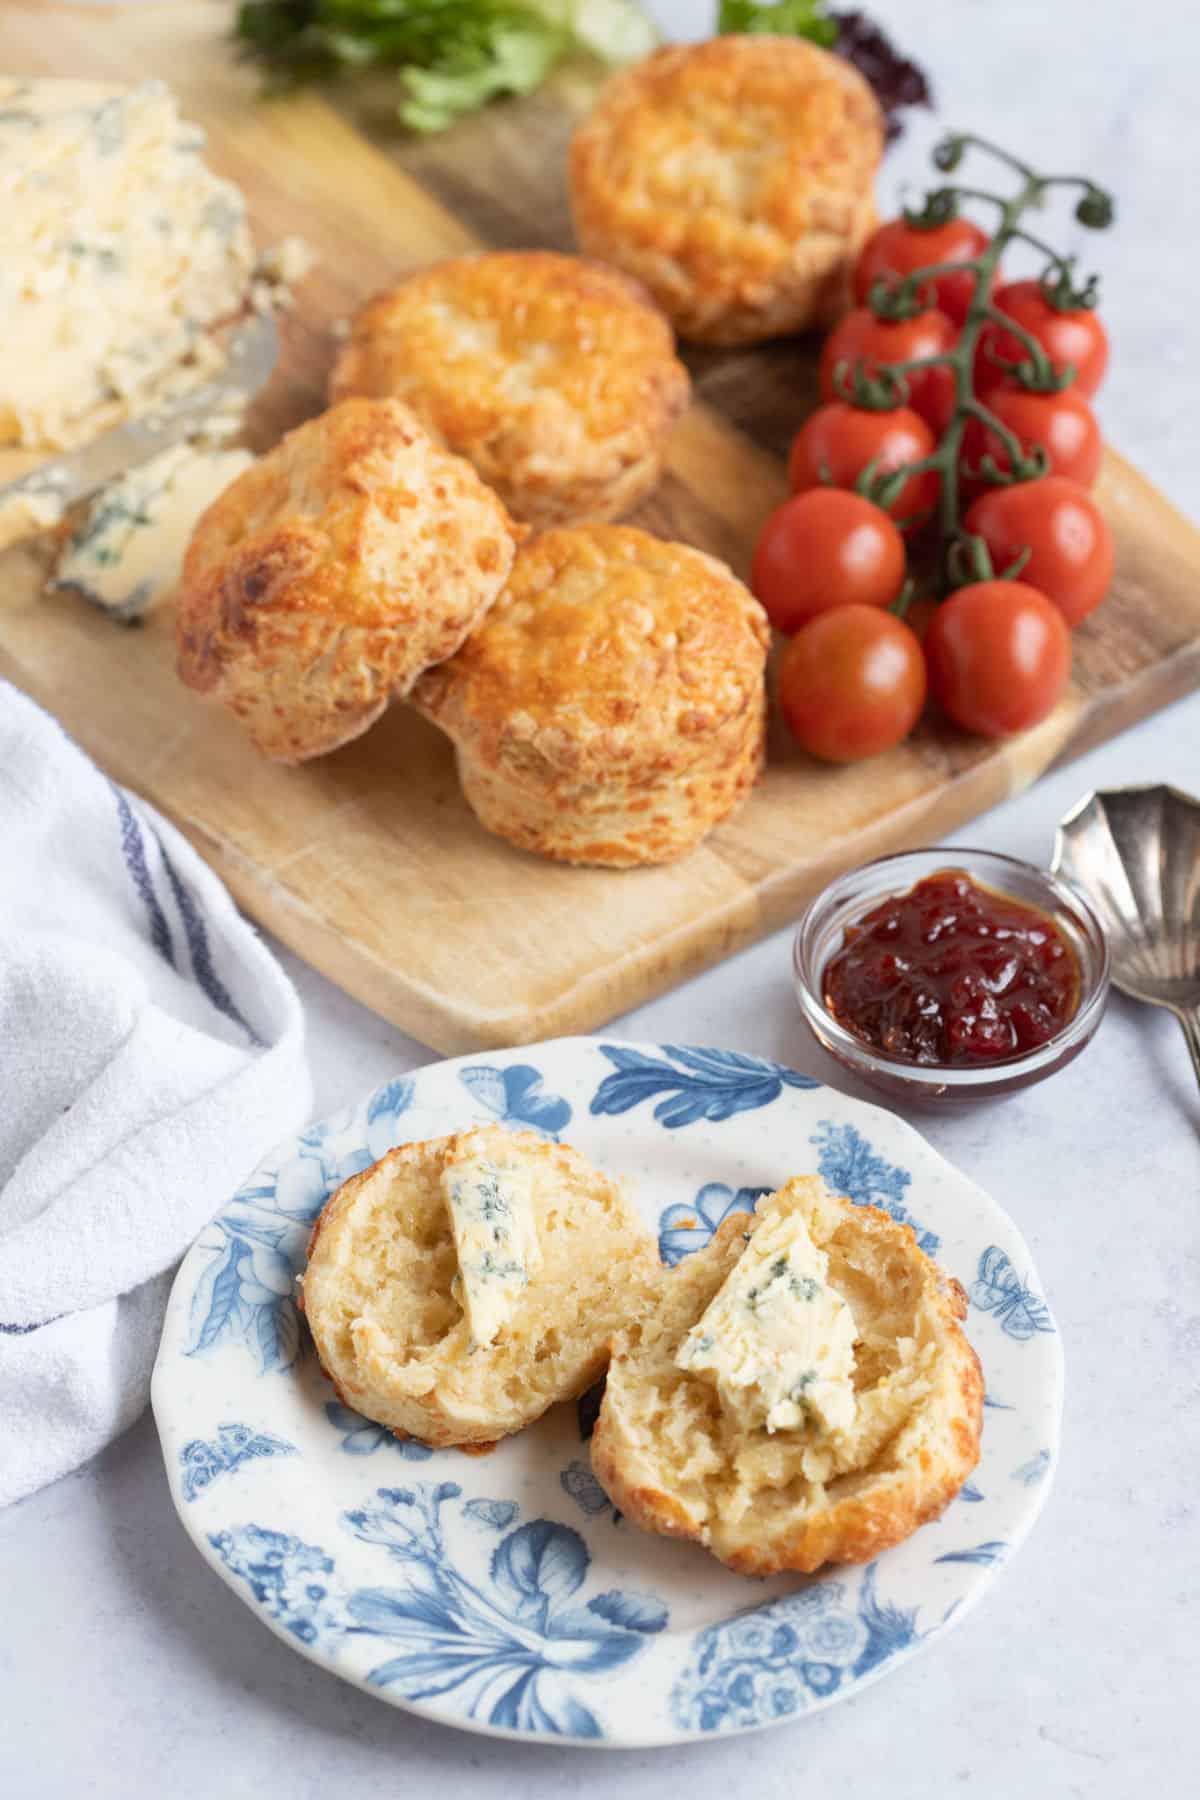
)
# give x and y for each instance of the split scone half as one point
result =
(611, 708)
(460, 1287)
(800, 1391)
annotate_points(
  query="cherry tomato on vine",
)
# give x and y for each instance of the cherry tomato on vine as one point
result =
(999, 655)
(825, 548)
(861, 336)
(899, 248)
(1075, 336)
(837, 442)
(1070, 545)
(852, 683)
(1063, 424)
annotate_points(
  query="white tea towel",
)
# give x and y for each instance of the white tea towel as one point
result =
(151, 1050)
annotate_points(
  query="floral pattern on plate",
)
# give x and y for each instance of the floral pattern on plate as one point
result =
(503, 1594)
(778, 1659)
(510, 1645)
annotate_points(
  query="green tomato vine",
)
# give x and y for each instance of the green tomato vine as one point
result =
(883, 386)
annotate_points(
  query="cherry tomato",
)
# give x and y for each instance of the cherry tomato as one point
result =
(860, 335)
(1076, 337)
(852, 683)
(999, 655)
(825, 548)
(899, 248)
(1070, 545)
(836, 443)
(1063, 424)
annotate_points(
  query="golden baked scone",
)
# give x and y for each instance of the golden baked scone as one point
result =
(459, 1287)
(324, 579)
(845, 1414)
(556, 377)
(734, 178)
(611, 708)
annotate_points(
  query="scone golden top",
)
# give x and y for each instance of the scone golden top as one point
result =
(326, 578)
(461, 1286)
(556, 377)
(612, 707)
(734, 178)
(799, 1393)
(608, 648)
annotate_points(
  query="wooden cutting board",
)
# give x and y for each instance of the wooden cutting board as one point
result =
(368, 863)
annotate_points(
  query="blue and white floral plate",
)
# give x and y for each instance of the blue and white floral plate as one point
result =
(501, 1593)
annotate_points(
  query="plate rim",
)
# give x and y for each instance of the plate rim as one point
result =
(1051, 1396)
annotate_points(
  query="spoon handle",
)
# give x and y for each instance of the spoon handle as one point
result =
(1189, 1018)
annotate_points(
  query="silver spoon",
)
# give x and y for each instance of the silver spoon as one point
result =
(1135, 852)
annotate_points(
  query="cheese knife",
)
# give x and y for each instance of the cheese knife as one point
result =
(253, 350)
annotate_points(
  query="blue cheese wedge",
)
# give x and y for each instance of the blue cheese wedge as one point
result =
(493, 1217)
(127, 554)
(121, 250)
(777, 1340)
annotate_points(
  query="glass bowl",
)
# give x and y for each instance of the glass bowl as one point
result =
(819, 937)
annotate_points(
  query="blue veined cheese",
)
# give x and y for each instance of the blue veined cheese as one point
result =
(128, 551)
(777, 1340)
(494, 1221)
(119, 249)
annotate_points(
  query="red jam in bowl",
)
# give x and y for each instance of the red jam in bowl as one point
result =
(952, 974)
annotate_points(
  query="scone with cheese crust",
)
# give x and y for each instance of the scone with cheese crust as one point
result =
(329, 575)
(800, 1392)
(556, 377)
(734, 178)
(461, 1286)
(611, 708)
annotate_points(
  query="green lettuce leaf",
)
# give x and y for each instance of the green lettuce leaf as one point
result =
(786, 18)
(453, 55)
(516, 60)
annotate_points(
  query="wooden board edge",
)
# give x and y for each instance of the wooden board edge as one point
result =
(398, 994)
(643, 973)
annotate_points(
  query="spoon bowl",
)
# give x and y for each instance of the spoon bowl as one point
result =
(1135, 853)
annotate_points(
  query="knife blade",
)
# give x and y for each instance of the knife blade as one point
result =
(253, 350)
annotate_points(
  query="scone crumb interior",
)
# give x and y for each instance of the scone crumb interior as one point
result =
(670, 1454)
(380, 1292)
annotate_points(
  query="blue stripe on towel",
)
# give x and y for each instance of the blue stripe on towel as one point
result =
(133, 848)
(201, 954)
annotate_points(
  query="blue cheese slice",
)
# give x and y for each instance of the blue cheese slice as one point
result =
(128, 552)
(490, 1199)
(777, 1340)
(121, 250)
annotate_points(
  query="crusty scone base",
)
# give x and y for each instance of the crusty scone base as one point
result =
(621, 824)
(807, 294)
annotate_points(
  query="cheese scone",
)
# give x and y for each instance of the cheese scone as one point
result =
(555, 376)
(611, 709)
(734, 179)
(329, 575)
(800, 1392)
(461, 1286)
